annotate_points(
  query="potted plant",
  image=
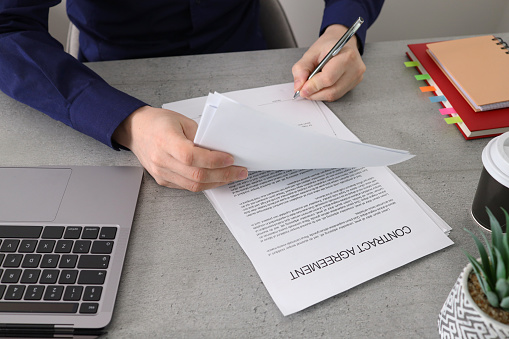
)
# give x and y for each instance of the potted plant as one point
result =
(478, 304)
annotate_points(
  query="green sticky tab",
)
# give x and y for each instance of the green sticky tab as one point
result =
(422, 77)
(412, 63)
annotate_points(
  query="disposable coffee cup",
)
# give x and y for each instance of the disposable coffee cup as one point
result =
(493, 189)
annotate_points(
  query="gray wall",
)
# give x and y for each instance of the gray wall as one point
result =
(400, 19)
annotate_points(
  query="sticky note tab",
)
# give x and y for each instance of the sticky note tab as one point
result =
(427, 89)
(453, 120)
(445, 111)
(422, 77)
(437, 98)
(412, 63)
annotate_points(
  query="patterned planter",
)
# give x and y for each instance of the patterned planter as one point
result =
(460, 316)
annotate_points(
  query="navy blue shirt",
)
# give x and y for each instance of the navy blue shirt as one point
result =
(35, 70)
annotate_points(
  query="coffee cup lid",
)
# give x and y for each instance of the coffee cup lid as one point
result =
(495, 158)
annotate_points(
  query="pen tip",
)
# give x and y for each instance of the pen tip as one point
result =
(296, 95)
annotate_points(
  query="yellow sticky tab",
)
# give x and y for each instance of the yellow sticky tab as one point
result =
(453, 120)
(412, 63)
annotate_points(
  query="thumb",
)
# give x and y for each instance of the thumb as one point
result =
(300, 75)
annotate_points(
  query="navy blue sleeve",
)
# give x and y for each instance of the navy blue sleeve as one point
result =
(35, 70)
(346, 12)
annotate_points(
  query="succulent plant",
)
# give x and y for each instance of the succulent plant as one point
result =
(492, 269)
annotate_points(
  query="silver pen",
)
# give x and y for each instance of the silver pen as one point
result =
(335, 50)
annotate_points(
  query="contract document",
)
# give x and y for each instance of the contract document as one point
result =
(314, 233)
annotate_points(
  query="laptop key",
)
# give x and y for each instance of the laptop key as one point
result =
(11, 276)
(50, 260)
(2, 290)
(9, 245)
(68, 276)
(34, 292)
(30, 276)
(31, 261)
(13, 260)
(54, 293)
(72, 232)
(45, 246)
(108, 233)
(89, 277)
(38, 307)
(53, 232)
(92, 293)
(94, 261)
(89, 308)
(68, 261)
(90, 233)
(20, 231)
(27, 246)
(64, 246)
(73, 293)
(49, 277)
(14, 292)
(102, 247)
(81, 246)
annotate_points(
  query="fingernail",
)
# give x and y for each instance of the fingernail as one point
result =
(229, 161)
(242, 175)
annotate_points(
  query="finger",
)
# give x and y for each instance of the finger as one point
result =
(336, 91)
(179, 182)
(305, 66)
(206, 175)
(330, 75)
(339, 76)
(184, 150)
(300, 74)
(175, 174)
(190, 155)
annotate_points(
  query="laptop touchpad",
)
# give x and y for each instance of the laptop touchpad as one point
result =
(32, 194)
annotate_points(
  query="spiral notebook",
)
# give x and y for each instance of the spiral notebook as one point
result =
(473, 124)
(478, 67)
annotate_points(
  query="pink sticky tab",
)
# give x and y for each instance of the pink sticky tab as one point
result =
(427, 89)
(445, 111)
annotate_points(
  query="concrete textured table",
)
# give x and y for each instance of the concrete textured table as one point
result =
(186, 276)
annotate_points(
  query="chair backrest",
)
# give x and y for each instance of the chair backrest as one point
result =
(73, 41)
(275, 28)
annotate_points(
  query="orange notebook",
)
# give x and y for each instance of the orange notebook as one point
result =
(478, 67)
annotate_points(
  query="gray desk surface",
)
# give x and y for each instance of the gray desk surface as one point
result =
(185, 274)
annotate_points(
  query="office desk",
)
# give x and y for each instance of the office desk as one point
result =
(185, 274)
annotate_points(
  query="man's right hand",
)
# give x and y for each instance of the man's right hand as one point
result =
(163, 142)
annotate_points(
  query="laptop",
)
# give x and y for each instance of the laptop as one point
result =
(63, 239)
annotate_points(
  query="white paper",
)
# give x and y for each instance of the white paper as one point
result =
(314, 233)
(258, 141)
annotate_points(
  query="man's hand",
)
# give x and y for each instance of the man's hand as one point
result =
(163, 142)
(341, 74)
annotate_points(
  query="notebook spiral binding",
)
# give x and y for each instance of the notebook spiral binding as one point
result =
(503, 43)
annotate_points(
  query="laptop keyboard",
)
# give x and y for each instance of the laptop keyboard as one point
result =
(54, 269)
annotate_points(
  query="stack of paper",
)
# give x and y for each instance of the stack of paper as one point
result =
(312, 233)
(259, 142)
